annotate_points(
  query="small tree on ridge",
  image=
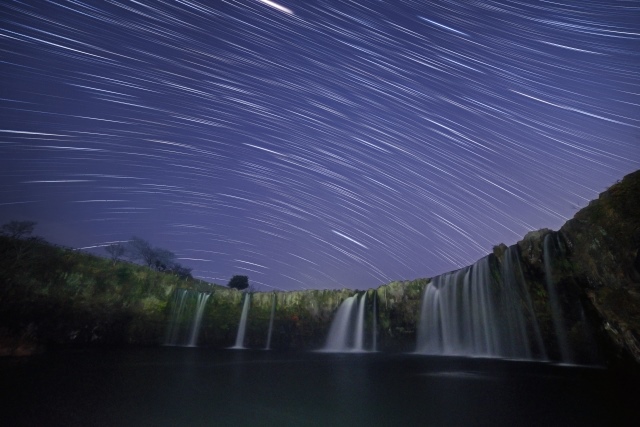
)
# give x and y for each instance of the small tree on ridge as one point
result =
(18, 229)
(239, 282)
(115, 250)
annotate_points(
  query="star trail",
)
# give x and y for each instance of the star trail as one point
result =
(314, 144)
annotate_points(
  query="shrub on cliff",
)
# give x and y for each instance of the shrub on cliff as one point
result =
(239, 282)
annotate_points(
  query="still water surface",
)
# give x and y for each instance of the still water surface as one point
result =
(203, 387)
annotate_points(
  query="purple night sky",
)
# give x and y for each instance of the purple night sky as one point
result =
(314, 144)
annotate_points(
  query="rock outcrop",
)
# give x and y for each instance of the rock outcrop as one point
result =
(603, 245)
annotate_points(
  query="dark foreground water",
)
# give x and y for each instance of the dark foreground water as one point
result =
(200, 387)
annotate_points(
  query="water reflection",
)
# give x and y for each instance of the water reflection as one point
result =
(200, 387)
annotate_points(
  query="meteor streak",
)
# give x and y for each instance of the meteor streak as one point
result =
(277, 6)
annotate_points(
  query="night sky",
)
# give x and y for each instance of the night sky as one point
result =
(314, 144)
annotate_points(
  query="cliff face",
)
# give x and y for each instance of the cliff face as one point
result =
(571, 295)
(603, 243)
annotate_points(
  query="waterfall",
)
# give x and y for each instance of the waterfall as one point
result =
(195, 328)
(516, 298)
(374, 338)
(347, 329)
(178, 334)
(273, 310)
(339, 332)
(462, 314)
(554, 303)
(243, 323)
(468, 312)
(177, 311)
(358, 332)
(458, 314)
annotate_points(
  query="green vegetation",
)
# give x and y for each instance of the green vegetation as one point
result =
(56, 295)
(399, 313)
(159, 259)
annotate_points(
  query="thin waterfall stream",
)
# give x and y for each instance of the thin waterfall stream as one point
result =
(183, 328)
(197, 321)
(358, 332)
(273, 311)
(374, 329)
(242, 327)
(554, 303)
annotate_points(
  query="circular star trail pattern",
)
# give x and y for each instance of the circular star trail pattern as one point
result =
(314, 144)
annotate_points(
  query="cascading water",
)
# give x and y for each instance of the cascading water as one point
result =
(184, 329)
(347, 329)
(195, 328)
(374, 337)
(458, 314)
(516, 298)
(339, 332)
(242, 327)
(554, 303)
(358, 332)
(177, 312)
(273, 311)
(462, 314)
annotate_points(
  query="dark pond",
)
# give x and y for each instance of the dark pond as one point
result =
(201, 387)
